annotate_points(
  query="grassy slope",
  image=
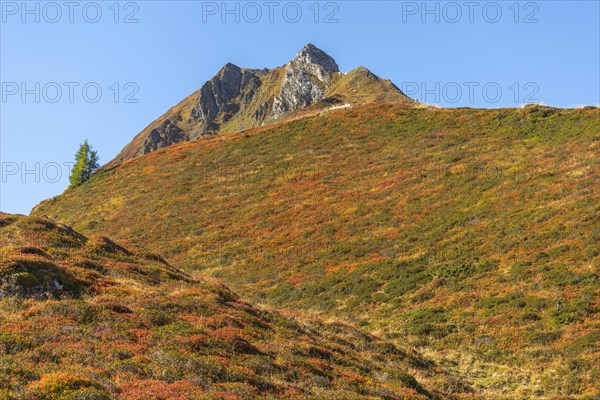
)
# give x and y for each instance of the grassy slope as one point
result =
(179, 114)
(130, 326)
(361, 86)
(471, 233)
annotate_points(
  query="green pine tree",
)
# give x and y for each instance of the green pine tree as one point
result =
(86, 162)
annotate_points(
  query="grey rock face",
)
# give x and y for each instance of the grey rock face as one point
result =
(307, 77)
(165, 135)
(311, 55)
(218, 96)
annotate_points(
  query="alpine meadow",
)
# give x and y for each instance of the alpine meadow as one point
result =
(310, 230)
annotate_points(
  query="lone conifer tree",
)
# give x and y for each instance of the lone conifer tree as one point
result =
(86, 162)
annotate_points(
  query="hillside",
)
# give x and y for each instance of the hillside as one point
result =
(85, 318)
(469, 234)
(240, 98)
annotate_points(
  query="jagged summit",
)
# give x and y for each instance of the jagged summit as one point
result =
(229, 65)
(228, 69)
(307, 78)
(238, 98)
(311, 54)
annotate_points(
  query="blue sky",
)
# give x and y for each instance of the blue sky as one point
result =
(145, 56)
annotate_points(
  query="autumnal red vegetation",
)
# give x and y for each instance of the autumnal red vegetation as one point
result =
(470, 235)
(85, 318)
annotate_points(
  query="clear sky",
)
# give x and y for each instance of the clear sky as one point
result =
(145, 56)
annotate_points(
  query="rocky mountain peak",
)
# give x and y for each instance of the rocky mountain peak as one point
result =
(307, 78)
(311, 54)
(240, 98)
(228, 69)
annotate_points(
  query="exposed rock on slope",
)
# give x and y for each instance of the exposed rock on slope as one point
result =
(307, 77)
(238, 98)
(223, 96)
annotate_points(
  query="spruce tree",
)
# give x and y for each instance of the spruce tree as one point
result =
(86, 162)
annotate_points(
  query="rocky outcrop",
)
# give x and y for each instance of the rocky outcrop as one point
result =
(223, 96)
(307, 77)
(165, 135)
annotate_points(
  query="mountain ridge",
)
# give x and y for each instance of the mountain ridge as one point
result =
(238, 98)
